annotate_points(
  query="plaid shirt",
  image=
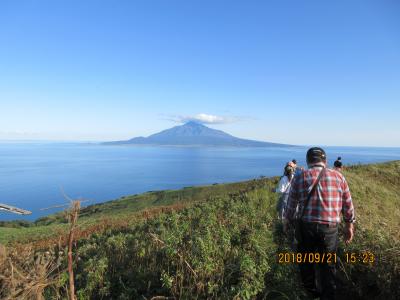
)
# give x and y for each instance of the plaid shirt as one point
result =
(330, 197)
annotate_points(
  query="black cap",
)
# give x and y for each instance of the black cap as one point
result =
(294, 161)
(316, 154)
(338, 164)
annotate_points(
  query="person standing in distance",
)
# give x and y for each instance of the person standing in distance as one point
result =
(283, 189)
(297, 169)
(321, 195)
(338, 164)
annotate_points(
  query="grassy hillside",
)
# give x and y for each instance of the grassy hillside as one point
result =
(215, 242)
(128, 209)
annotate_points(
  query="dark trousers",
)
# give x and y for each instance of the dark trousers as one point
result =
(319, 238)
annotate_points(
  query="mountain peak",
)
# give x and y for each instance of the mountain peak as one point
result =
(193, 124)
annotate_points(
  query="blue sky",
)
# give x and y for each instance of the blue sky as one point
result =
(301, 72)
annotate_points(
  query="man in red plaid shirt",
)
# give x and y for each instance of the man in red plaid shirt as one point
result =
(317, 198)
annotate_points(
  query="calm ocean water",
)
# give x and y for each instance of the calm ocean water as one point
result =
(33, 175)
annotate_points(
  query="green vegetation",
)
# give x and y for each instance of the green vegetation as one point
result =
(214, 242)
(128, 209)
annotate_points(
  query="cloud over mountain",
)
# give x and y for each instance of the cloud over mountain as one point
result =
(203, 119)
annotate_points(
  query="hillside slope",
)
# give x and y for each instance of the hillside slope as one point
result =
(221, 242)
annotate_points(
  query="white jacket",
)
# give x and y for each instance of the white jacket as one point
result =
(283, 185)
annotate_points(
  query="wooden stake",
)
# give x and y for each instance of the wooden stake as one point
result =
(73, 218)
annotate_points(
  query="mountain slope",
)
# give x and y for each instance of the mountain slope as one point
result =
(193, 134)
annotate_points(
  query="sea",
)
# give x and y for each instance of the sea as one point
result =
(38, 175)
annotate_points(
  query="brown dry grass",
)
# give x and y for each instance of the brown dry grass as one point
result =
(60, 238)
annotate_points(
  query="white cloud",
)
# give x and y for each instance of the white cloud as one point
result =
(204, 119)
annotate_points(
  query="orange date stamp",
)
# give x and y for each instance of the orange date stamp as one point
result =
(365, 257)
(306, 258)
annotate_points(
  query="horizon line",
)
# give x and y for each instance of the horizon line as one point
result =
(154, 145)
